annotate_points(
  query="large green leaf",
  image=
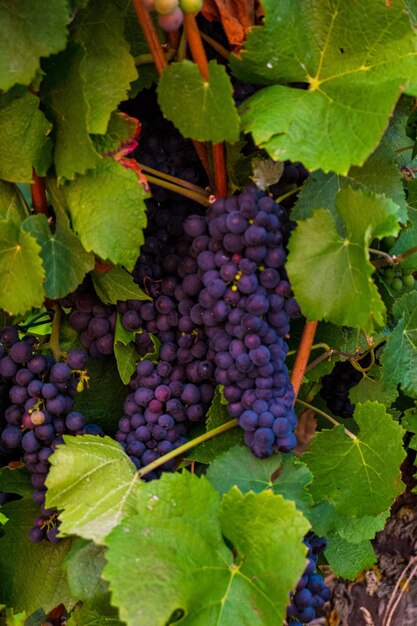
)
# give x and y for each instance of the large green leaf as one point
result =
(12, 204)
(23, 564)
(325, 521)
(349, 54)
(361, 474)
(349, 559)
(107, 67)
(379, 174)
(29, 30)
(189, 569)
(64, 258)
(284, 474)
(330, 272)
(83, 565)
(24, 142)
(217, 118)
(117, 284)
(20, 290)
(399, 358)
(63, 94)
(102, 401)
(108, 212)
(93, 482)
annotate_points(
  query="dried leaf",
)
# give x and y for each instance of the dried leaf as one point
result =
(236, 16)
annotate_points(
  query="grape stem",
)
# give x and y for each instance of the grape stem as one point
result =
(187, 446)
(150, 35)
(37, 190)
(200, 58)
(328, 417)
(197, 197)
(303, 354)
(174, 179)
(216, 46)
(287, 195)
(147, 59)
(394, 259)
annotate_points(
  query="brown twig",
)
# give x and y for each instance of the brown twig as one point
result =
(303, 354)
(220, 170)
(37, 189)
(150, 35)
(392, 605)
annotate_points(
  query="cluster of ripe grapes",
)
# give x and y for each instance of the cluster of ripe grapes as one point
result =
(39, 411)
(311, 592)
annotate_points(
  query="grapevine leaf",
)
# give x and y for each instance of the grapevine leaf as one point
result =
(107, 67)
(63, 94)
(12, 204)
(15, 480)
(217, 415)
(408, 236)
(117, 284)
(103, 399)
(348, 296)
(83, 615)
(362, 474)
(24, 142)
(266, 172)
(23, 564)
(93, 482)
(126, 358)
(83, 566)
(20, 290)
(64, 258)
(409, 422)
(371, 388)
(190, 571)
(379, 174)
(345, 58)
(284, 474)
(399, 358)
(121, 334)
(3, 518)
(349, 559)
(325, 521)
(217, 118)
(121, 130)
(29, 31)
(108, 212)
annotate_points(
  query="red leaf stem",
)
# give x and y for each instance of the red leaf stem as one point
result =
(37, 189)
(303, 354)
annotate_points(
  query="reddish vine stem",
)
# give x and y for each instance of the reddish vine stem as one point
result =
(37, 189)
(303, 354)
(200, 58)
(196, 45)
(150, 35)
(220, 170)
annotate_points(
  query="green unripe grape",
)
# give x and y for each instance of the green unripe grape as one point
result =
(165, 7)
(397, 284)
(191, 6)
(408, 281)
(406, 272)
(389, 275)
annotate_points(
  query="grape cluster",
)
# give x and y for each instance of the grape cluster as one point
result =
(336, 386)
(311, 592)
(160, 410)
(398, 278)
(242, 307)
(40, 411)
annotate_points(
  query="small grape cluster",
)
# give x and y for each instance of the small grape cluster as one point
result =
(336, 386)
(311, 592)
(160, 410)
(170, 12)
(398, 278)
(40, 410)
(242, 307)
